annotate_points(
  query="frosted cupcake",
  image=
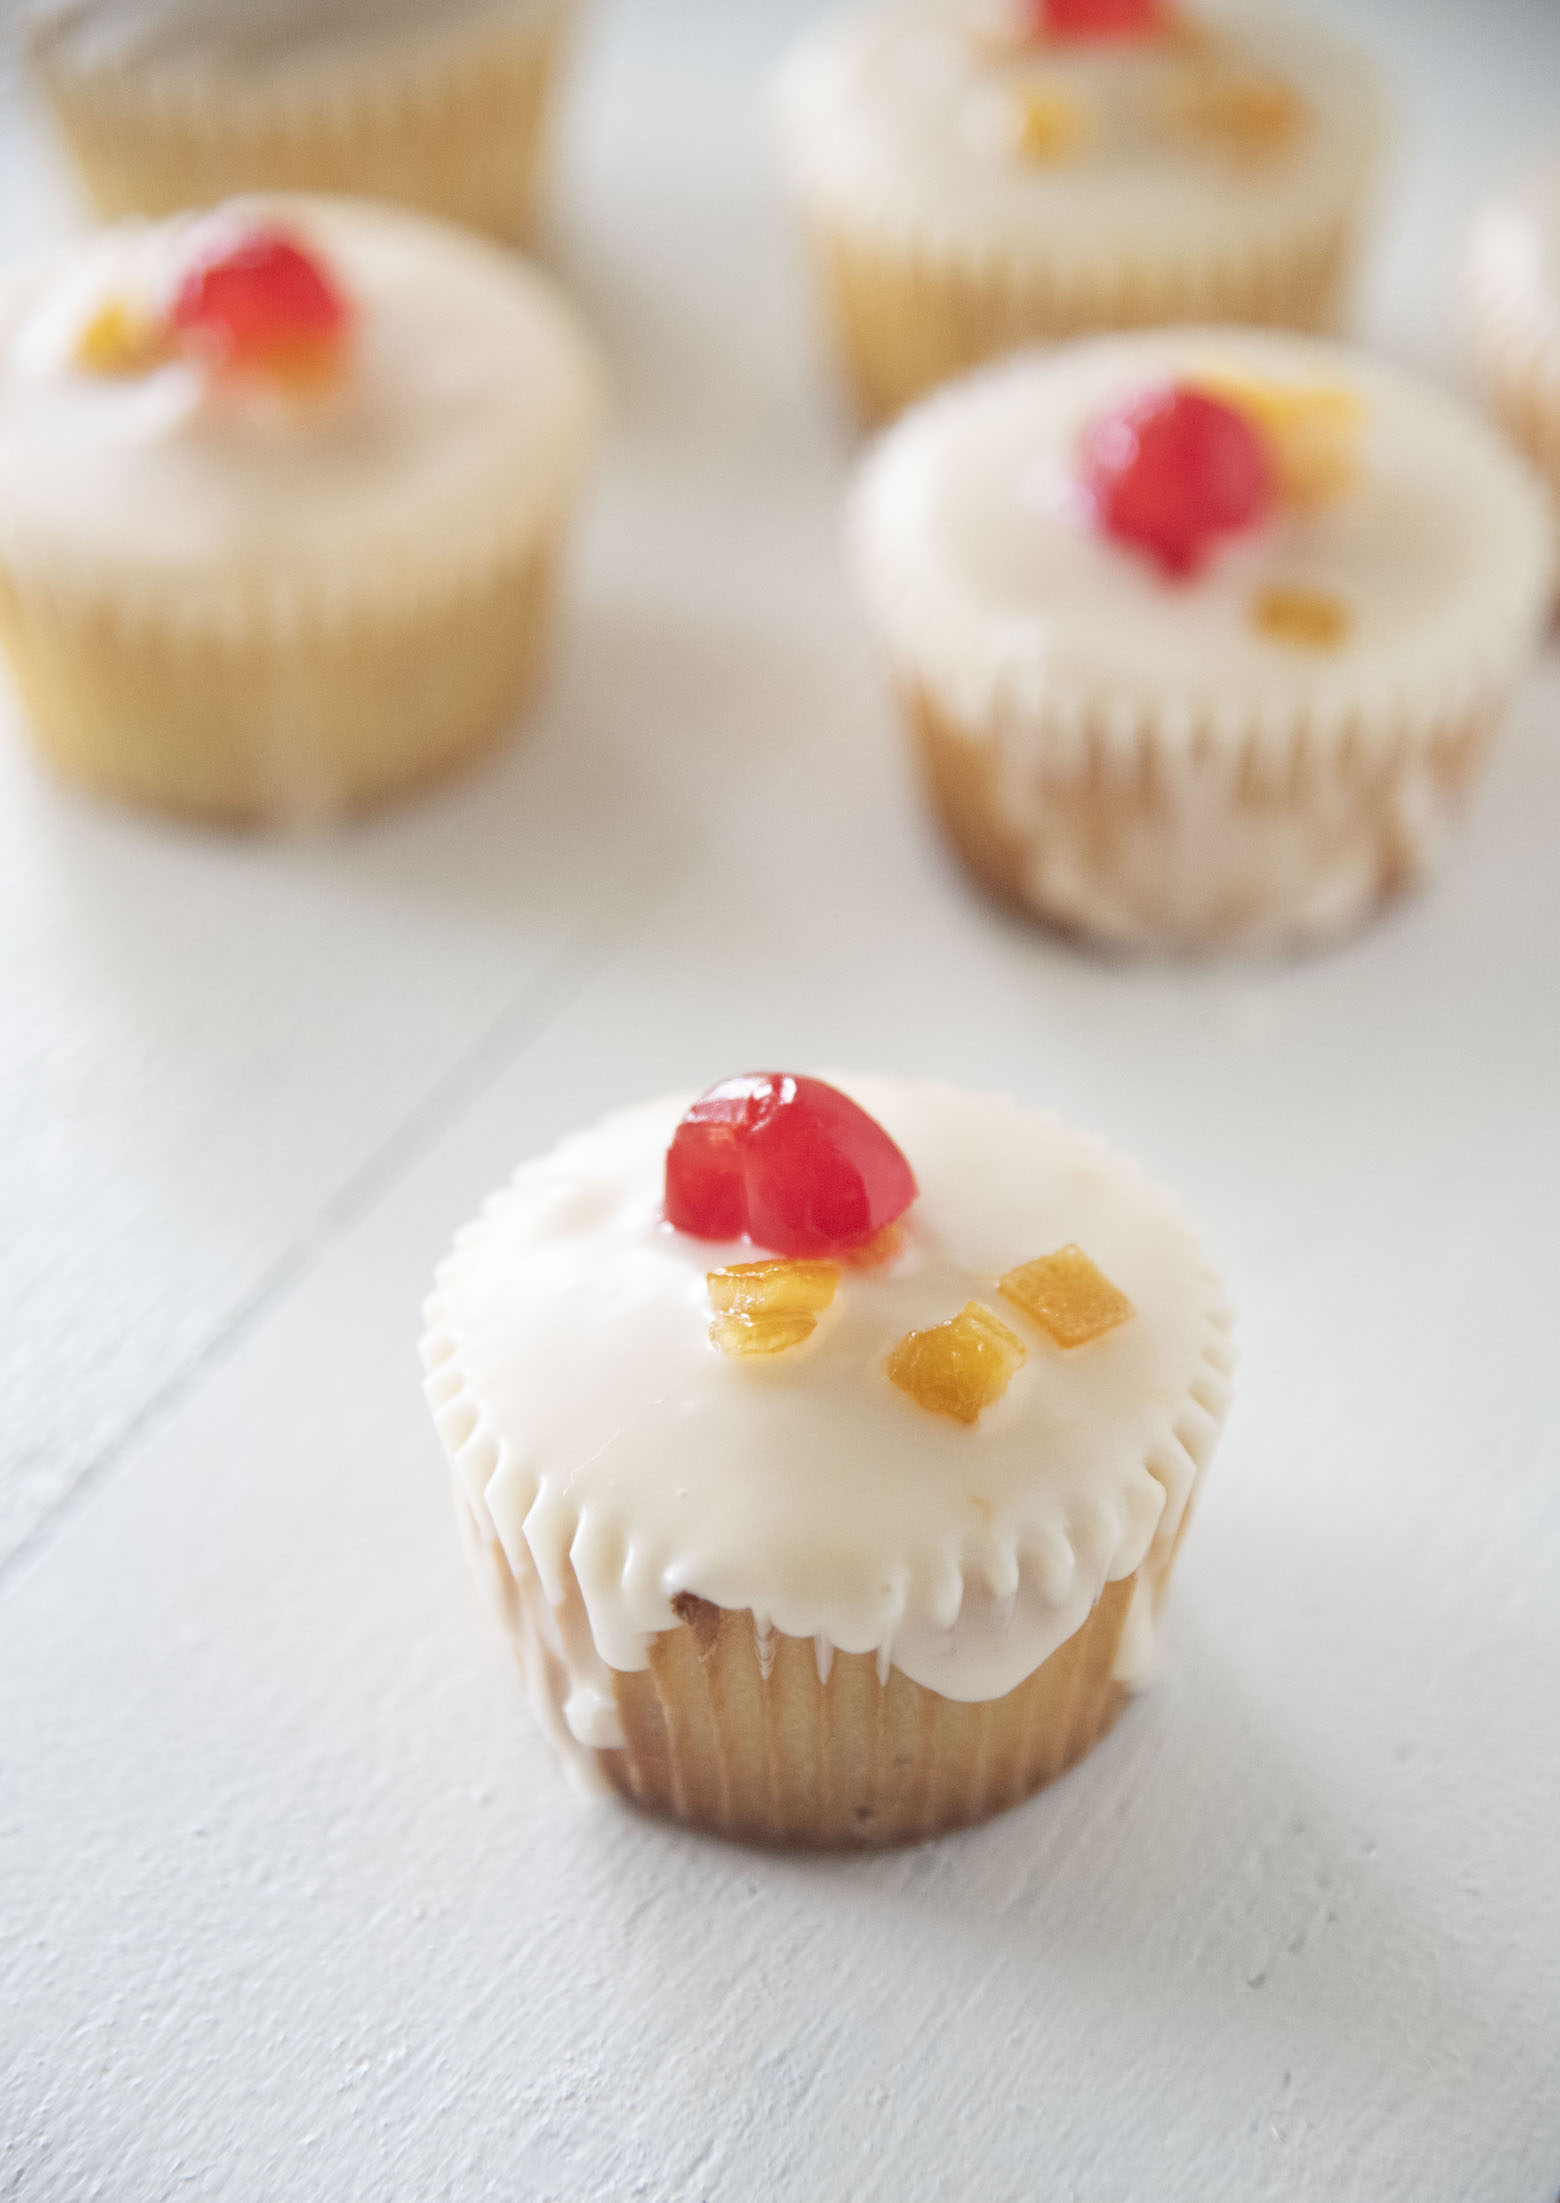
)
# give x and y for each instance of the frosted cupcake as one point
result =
(828, 1448)
(178, 103)
(1202, 634)
(282, 494)
(1513, 312)
(978, 174)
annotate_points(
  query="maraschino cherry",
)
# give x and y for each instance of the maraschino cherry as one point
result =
(790, 1163)
(1174, 470)
(263, 304)
(1101, 18)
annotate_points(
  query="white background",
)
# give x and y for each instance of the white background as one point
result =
(293, 1902)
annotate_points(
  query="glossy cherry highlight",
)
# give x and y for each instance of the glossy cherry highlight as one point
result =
(263, 302)
(790, 1163)
(1172, 471)
(1102, 18)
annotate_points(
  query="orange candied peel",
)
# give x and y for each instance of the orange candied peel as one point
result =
(1051, 124)
(1068, 1296)
(1232, 112)
(960, 1367)
(882, 1248)
(1312, 429)
(120, 340)
(1312, 619)
(768, 1307)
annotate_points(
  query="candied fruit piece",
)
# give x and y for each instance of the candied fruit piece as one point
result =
(1172, 470)
(769, 1334)
(759, 1288)
(1068, 1296)
(791, 1163)
(766, 1307)
(119, 340)
(1051, 124)
(1312, 619)
(960, 1367)
(1244, 116)
(882, 1248)
(1313, 431)
(1101, 18)
(263, 304)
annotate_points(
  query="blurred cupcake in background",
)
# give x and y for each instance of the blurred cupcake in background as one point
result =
(283, 489)
(977, 174)
(1202, 634)
(178, 103)
(1513, 313)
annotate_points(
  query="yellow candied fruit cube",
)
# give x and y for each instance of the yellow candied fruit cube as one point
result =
(1068, 1296)
(118, 340)
(768, 1307)
(882, 1248)
(1244, 116)
(740, 1336)
(960, 1367)
(767, 1288)
(1051, 124)
(306, 364)
(1195, 39)
(1312, 619)
(1312, 429)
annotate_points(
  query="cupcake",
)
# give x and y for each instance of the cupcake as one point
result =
(1513, 313)
(282, 494)
(828, 1447)
(978, 174)
(178, 103)
(1202, 634)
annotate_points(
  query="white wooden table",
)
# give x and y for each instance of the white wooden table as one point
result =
(294, 1904)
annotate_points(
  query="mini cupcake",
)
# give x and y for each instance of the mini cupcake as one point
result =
(1202, 634)
(978, 174)
(828, 1448)
(1513, 312)
(283, 490)
(178, 103)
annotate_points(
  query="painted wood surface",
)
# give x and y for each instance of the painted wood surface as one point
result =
(293, 1903)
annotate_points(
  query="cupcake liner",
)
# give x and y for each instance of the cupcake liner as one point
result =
(1230, 838)
(270, 711)
(906, 315)
(453, 124)
(738, 1728)
(1523, 392)
(773, 1739)
(1515, 343)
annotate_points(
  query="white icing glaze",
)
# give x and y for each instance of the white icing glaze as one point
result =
(458, 434)
(200, 36)
(594, 1427)
(991, 582)
(894, 122)
(1513, 312)
(1515, 260)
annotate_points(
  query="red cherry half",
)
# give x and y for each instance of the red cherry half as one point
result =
(263, 302)
(1102, 18)
(790, 1163)
(1173, 470)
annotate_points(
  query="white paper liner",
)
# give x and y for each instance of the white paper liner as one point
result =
(447, 115)
(1512, 318)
